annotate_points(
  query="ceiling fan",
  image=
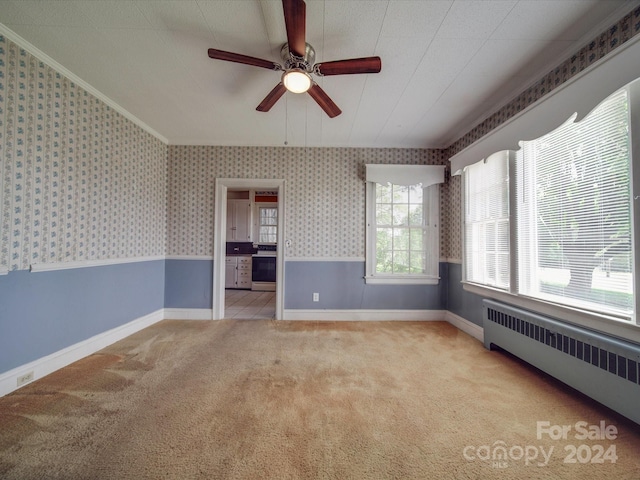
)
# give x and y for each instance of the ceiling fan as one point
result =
(298, 57)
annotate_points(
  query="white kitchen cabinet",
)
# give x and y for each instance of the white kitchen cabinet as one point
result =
(238, 220)
(230, 272)
(238, 272)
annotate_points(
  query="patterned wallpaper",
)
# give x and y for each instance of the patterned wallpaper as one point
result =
(325, 211)
(599, 47)
(79, 180)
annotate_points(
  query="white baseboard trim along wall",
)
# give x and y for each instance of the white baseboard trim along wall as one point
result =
(476, 331)
(365, 315)
(188, 313)
(24, 374)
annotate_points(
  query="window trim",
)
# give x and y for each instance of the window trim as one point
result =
(432, 192)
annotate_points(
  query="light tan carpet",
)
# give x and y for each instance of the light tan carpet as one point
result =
(297, 400)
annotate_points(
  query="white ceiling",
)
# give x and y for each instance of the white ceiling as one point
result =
(445, 64)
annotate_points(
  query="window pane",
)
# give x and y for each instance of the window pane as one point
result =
(415, 214)
(490, 268)
(416, 237)
(400, 194)
(574, 212)
(400, 261)
(268, 234)
(384, 246)
(401, 239)
(268, 230)
(417, 262)
(384, 261)
(383, 193)
(268, 216)
(401, 234)
(384, 239)
(415, 194)
(486, 223)
(490, 237)
(400, 214)
(383, 214)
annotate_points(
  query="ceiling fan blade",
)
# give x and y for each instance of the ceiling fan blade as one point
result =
(347, 67)
(324, 101)
(238, 58)
(273, 96)
(295, 19)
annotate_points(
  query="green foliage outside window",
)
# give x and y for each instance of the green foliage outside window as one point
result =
(400, 231)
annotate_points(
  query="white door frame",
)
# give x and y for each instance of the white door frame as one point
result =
(220, 241)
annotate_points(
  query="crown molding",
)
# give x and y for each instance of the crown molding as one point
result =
(43, 57)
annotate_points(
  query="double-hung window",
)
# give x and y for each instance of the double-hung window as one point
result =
(402, 223)
(574, 212)
(554, 222)
(267, 224)
(486, 221)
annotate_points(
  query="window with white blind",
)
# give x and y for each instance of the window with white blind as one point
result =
(402, 223)
(486, 222)
(553, 222)
(574, 212)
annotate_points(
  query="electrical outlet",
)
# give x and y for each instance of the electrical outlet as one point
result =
(316, 297)
(26, 378)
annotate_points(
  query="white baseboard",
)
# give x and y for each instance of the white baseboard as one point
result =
(365, 315)
(476, 331)
(50, 363)
(457, 321)
(188, 314)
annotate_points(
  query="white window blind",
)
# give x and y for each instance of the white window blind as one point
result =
(486, 221)
(574, 212)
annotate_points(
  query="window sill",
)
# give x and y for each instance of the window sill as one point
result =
(399, 280)
(616, 326)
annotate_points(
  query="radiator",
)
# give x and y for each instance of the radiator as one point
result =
(604, 368)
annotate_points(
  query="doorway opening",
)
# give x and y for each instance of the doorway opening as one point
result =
(222, 187)
(249, 305)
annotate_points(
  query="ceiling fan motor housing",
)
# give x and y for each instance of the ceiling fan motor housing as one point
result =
(292, 61)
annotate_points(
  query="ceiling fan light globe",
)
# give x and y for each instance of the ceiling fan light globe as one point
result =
(296, 80)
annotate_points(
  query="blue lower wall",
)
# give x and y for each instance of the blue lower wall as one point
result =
(464, 304)
(188, 284)
(341, 286)
(42, 313)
